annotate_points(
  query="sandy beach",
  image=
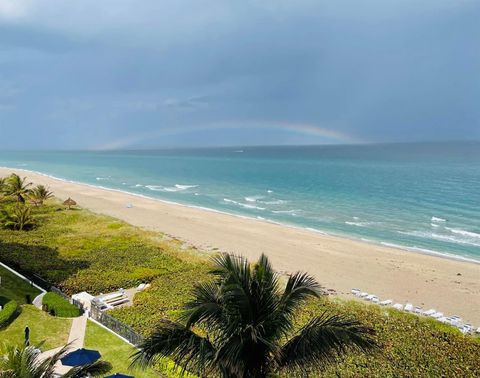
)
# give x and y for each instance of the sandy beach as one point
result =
(450, 286)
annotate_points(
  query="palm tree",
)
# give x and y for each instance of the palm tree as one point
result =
(19, 219)
(242, 325)
(39, 194)
(23, 362)
(16, 186)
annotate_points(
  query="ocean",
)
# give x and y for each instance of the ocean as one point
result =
(423, 197)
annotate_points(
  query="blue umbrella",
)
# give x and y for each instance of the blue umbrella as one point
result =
(118, 375)
(80, 357)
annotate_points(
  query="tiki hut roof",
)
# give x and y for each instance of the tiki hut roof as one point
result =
(69, 202)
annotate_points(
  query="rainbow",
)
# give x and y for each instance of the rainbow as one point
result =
(332, 136)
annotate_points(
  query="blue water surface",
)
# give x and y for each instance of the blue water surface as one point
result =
(422, 196)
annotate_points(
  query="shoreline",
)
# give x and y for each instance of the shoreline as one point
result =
(448, 284)
(418, 250)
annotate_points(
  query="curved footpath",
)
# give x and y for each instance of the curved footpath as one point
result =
(450, 286)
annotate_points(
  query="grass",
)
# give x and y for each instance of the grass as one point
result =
(116, 351)
(13, 287)
(43, 327)
(78, 250)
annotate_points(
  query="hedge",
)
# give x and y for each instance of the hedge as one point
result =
(9, 311)
(55, 305)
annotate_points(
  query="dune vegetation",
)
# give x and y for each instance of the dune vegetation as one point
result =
(77, 251)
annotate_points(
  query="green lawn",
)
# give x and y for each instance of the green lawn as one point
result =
(115, 350)
(13, 287)
(43, 327)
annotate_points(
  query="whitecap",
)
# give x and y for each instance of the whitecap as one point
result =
(441, 237)
(184, 187)
(291, 212)
(248, 206)
(469, 234)
(274, 202)
(359, 224)
(435, 219)
(101, 178)
(138, 185)
(253, 198)
(157, 188)
(269, 191)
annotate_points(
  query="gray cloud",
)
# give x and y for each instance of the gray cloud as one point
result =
(371, 71)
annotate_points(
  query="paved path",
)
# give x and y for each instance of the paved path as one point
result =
(37, 302)
(76, 339)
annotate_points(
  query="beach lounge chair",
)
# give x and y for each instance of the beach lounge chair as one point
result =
(478, 330)
(355, 291)
(398, 306)
(443, 319)
(363, 294)
(437, 315)
(386, 302)
(429, 312)
(418, 310)
(369, 297)
(408, 307)
(375, 300)
(467, 328)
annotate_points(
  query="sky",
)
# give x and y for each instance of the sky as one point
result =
(116, 74)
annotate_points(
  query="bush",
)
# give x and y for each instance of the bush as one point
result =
(9, 311)
(57, 306)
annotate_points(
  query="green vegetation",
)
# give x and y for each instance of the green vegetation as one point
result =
(58, 306)
(114, 350)
(19, 218)
(22, 362)
(12, 286)
(43, 327)
(242, 325)
(8, 312)
(40, 194)
(17, 187)
(77, 250)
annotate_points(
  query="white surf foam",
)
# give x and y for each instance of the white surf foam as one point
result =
(435, 219)
(469, 234)
(441, 237)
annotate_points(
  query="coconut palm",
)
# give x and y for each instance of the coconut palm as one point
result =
(242, 325)
(19, 218)
(23, 362)
(39, 194)
(16, 186)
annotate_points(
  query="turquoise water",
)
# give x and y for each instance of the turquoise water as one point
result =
(425, 197)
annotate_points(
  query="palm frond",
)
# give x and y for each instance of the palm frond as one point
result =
(206, 307)
(188, 350)
(95, 369)
(323, 340)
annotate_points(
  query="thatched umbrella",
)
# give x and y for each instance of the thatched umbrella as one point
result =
(69, 202)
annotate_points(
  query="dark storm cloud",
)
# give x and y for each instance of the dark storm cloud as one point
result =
(125, 73)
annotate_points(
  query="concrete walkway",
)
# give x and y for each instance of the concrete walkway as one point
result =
(37, 302)
(76, 339)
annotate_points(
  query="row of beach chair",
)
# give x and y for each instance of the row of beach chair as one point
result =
(454, 320)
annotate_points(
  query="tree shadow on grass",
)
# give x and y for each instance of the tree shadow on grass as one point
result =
(41, 264)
